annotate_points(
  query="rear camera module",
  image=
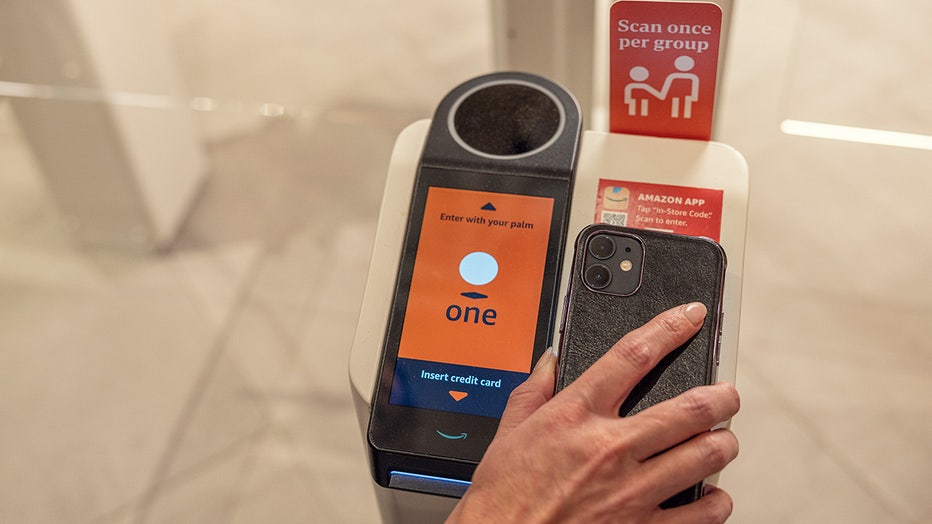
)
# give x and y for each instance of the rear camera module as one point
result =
(612, 261)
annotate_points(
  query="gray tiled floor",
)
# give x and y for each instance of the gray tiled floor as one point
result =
(208, 383)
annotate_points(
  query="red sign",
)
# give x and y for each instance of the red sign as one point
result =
(693, 211)
(664, 59)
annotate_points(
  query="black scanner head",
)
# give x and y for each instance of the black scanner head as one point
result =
(510, 123)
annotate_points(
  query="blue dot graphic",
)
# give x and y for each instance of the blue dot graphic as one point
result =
(478, 268)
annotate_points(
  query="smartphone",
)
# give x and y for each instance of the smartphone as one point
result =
(478, 279)
(620, 279)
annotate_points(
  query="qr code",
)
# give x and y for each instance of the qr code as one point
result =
(614, 219)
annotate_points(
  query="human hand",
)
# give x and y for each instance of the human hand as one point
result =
(571, 458)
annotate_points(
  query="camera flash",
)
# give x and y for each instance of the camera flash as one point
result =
(625, 265)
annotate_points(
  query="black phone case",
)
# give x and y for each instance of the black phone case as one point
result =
(677, 269)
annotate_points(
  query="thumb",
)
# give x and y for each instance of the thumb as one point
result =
(530, 395)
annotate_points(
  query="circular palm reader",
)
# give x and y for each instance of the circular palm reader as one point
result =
(506, 119)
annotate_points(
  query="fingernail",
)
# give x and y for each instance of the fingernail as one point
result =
(695, 313)
(548, 357)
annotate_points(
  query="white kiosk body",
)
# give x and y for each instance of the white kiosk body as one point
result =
(606, 162)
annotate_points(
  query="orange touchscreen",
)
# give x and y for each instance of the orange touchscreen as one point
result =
(475, 290)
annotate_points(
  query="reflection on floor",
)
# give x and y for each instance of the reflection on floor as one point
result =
(208, 383)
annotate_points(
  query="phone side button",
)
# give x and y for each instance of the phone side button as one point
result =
(718, 338)
(566, 301)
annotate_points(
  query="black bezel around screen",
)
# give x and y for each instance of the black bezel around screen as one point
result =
(403, 438)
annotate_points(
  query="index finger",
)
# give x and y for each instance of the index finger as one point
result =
(609, 381)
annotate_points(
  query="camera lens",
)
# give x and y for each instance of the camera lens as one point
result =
(598, 276)
(602, 247)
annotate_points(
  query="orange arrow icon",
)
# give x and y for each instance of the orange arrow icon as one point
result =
(458, 395)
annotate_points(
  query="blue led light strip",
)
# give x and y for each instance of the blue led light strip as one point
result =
(428, 484)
